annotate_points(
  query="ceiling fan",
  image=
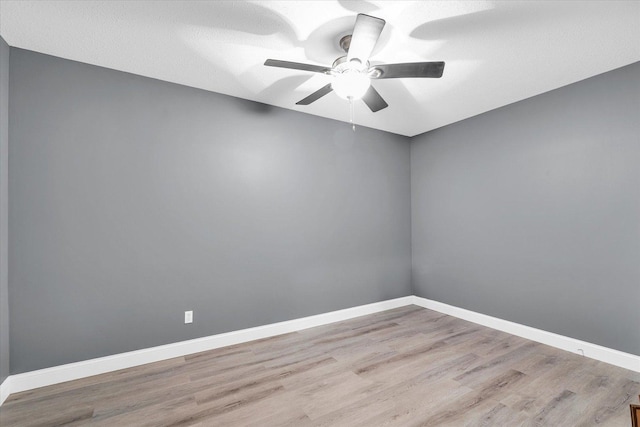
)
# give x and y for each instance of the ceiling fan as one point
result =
(352, 72)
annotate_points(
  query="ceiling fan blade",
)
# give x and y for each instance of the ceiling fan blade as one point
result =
(412, 69)
(364, 38)
(373, 100)
(297, 66)
(315, 95)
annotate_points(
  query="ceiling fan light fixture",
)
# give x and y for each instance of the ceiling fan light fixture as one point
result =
(351, 83)
(351, 73)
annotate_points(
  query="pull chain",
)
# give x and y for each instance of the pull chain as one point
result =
(353, 125)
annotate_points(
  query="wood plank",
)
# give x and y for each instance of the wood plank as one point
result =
(402, 367)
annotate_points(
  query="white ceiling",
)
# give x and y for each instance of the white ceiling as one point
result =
(496, 52)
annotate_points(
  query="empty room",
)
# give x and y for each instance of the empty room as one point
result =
(319, 213)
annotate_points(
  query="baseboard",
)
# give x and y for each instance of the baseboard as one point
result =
(587, 349)
(5, 389)
(73, 371)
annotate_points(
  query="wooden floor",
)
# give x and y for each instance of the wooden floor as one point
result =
(403, 367)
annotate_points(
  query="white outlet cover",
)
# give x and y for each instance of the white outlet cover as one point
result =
(188, 317)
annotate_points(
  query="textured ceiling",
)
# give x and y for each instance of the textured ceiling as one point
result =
(496, 52)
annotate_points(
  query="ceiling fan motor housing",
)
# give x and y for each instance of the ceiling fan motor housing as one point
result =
(341, 65)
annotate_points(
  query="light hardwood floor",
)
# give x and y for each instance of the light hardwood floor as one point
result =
(403, 367)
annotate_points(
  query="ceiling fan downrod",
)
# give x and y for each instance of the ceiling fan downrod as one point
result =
(345, 42)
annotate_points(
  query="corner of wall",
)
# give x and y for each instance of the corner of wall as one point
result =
(4, 198)
(411, 282)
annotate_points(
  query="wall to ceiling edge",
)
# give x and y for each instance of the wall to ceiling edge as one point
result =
(134, 200)
(4, 150)
(531, 212)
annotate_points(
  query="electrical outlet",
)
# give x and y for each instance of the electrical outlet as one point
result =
(188, 316)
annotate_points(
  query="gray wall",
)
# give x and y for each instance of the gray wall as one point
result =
(4, 151)
(531, 212)
(133, 200)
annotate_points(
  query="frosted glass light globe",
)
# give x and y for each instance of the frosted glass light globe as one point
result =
(351, 83)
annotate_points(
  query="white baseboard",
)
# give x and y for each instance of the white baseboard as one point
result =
(5, 389)
(101, 365)
(72, 371)
(587, 349)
